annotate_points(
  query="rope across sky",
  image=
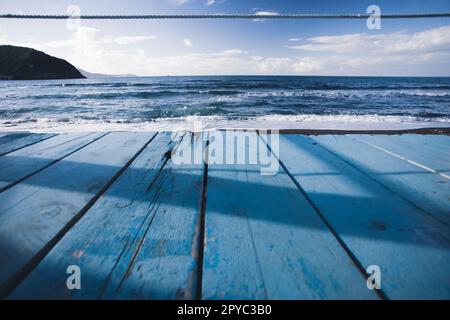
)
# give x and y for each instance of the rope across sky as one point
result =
(224, 16)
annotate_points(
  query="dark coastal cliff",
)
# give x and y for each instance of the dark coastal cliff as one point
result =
(21, 63)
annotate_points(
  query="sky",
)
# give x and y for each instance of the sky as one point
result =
(407, 47)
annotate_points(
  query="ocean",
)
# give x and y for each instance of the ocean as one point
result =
(172, 103)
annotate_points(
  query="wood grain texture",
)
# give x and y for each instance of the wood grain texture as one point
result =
(17, 141)
(147, 247)
(428, 191)
(130, 216)
(264, 240)
(379, 227)
(34, 211)
(9, 137)
(24, 162)
(430, 150)
(3, 134)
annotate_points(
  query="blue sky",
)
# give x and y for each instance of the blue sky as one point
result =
(416, 47)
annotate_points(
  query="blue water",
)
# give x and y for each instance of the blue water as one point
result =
(145, 99)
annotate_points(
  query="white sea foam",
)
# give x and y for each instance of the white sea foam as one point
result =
(340, 93)
(225, 102)
(305, 121)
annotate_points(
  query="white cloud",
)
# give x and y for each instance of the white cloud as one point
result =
(179, 2)
(87, 36)
(363, 53)
(271, 65)
(130, 39)
(429, 40)
(187, 42)
(401, 53)
(294, 39)
(210, 2)
(231, 52)
(232, 61)
(90, 49)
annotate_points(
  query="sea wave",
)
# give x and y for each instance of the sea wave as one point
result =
(233, 101)
(304, 121)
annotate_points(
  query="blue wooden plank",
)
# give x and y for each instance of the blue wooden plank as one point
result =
(438, 143)
(24, 162)
(425, 150)
(379, 227)
(426, 190)
(36, 212)
(264, 240)
(8, 137)
(147, 244)
(18, 141)
(433, 141)
(166, 265)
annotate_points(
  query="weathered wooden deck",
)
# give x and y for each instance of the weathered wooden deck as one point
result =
(141, 227)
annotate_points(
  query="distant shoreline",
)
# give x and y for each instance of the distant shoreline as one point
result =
(95, 76)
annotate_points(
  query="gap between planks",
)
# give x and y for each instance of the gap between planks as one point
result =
(341, 242)
(12, 184)
(28, 144)
(423, 211)
(202, 225)
(15, 280)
